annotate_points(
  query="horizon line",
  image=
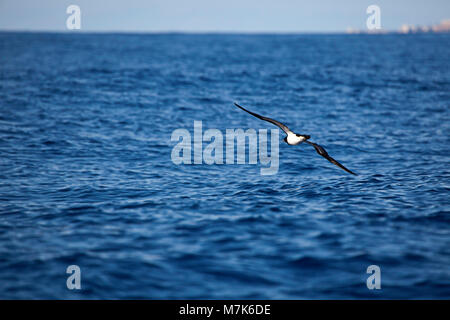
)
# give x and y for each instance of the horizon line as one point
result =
(229, 32)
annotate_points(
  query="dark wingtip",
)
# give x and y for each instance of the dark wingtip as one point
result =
(239, 106)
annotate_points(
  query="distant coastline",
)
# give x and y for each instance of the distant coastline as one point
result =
(442, 27)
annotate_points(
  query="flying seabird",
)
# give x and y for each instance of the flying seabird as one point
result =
(294, 138)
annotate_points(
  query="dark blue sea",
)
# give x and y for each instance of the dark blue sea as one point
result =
(87, 179)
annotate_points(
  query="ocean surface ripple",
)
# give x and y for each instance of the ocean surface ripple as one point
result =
(86, 176)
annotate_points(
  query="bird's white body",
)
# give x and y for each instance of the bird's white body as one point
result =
(294, 139)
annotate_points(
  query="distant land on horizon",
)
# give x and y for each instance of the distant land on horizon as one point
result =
(442, 27)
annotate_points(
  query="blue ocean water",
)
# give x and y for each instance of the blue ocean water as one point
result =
(86, 176)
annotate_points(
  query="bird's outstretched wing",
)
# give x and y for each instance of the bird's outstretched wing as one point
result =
(321, 151)
(278, 124)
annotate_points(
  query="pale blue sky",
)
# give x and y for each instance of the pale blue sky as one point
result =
(218, 16)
